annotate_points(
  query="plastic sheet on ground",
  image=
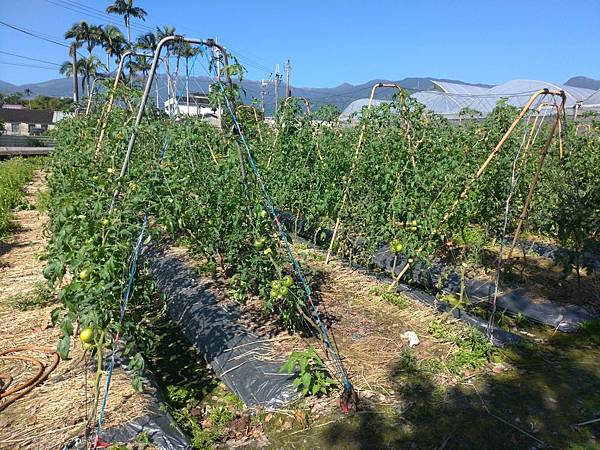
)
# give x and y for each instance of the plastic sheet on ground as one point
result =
(240, 358)
(157, 426)
(565, 317)
(383, 259)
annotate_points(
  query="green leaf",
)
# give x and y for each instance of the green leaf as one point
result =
(63, 347)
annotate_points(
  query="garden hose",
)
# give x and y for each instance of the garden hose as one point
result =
(9, 395)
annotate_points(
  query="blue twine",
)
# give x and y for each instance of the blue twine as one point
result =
(127, 292)
(284, 237)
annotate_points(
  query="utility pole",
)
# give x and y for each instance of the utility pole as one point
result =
(288, 68)
(217, 58)
(263, 86)
(75, 88)
(276, 88)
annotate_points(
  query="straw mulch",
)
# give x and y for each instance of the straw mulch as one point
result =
(54, 412)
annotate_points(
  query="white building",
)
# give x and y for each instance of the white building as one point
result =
(198, 106)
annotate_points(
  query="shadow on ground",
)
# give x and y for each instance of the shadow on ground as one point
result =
(535, 404)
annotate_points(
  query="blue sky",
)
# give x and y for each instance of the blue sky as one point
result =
(332, 41)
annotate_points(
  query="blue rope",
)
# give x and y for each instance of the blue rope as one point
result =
(284, 237)
(127, 292)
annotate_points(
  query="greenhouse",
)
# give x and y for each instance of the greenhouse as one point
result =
(450, 99)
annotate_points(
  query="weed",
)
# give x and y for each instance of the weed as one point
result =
(312, 378)
(473, 352)
(38, 297)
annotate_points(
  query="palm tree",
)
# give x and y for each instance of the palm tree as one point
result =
(66, 68)
(84, 33)
(28, 93)
(112, 40)
(187, 51)
(86, 67)
(126, 9)
(148, 42)
(162, 33)
(75, 33)
(142, 65)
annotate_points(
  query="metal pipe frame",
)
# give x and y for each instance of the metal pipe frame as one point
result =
(164, 41)
(111, 98)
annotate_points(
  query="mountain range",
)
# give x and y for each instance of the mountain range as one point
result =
(339, 96)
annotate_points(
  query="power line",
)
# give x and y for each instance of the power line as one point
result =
(94, 13)
(27, 65)
(31, 59)
(141, 28)
(34, 34)
(38, 36)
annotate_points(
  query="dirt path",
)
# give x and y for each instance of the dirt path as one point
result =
(20, 264)
(54, 412)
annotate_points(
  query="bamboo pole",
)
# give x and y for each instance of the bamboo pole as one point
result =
(498, 147)
(534, 181)
(354, 163)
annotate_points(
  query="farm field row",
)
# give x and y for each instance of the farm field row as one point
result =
(203, 188)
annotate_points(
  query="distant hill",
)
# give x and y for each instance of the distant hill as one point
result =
(341, 95)
(583, 82)
(7, 88)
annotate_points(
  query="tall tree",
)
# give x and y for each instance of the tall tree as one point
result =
(28, 93)
(84, 34)
(77, 34)
(186, 51)
(89, 70)
(162, 33)
(112, 40)
(147, 41)
(126, 9)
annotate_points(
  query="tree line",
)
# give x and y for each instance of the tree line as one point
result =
(114, 42)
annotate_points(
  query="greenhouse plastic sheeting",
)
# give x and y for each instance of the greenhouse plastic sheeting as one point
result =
(240, 358)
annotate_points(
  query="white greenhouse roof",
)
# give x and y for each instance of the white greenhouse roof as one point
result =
(456, 88)
(449, 99)
(593, 101)
(357, 105)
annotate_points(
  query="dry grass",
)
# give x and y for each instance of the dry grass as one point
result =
(55, 411)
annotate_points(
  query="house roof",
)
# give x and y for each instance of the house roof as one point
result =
(42, 116)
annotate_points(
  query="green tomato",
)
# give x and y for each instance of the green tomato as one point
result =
(284, 291)
(263, 214)
(87, 335)
(288, 281)
(105, 222)
(396, 246)
(259, 243)
(276, 284)
(84, 274)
